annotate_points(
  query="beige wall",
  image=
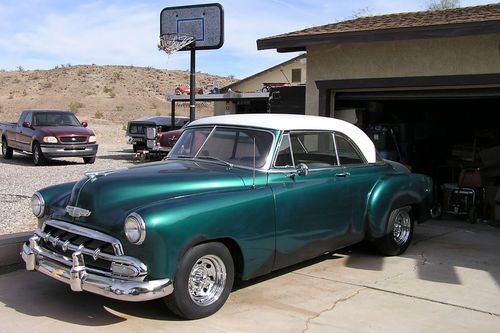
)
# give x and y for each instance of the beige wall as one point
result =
(430, 57)
(223, 107)
(275, 75)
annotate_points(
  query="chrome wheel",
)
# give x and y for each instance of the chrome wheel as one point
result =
(402, 227)
(207, 280)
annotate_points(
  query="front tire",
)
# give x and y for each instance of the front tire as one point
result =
(399, 232)
(7, 152)
(203, 281)
(89, 160)
(38, 158)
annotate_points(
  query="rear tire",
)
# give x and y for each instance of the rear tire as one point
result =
(399, 232)
(38, 158)
(89, 160)
(203, 281)
(7, 152)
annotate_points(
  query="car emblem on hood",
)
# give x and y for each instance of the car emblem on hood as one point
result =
(77, 211)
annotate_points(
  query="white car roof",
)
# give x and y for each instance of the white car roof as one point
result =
(290, 122)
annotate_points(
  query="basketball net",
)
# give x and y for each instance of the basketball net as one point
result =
(173, 42)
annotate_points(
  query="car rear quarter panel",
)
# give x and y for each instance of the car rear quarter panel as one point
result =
(394, 191)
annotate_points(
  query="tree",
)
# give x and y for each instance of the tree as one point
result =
(442, 4)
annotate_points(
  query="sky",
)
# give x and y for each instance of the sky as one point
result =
(42, 34)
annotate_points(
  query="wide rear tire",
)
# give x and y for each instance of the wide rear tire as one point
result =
(399, 232)
(7, 152)
(203, 281)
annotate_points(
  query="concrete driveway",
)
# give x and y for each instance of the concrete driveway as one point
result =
(448, 281)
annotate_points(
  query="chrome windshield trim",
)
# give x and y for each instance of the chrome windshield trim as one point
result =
(117, 246)
(269, 157)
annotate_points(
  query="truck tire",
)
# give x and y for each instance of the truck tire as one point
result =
(7, 152)
(399, 232)
(89, 160)
(38, 158)
(203, 281)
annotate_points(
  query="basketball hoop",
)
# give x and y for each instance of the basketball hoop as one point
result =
(173, 42)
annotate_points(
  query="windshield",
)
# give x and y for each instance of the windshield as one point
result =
(232, 146)
(55, 119)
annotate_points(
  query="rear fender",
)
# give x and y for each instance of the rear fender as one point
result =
(396, 191)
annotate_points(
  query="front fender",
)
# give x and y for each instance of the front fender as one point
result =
(395, 191)
(174, 225)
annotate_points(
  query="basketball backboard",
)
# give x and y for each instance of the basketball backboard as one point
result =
(205, 22)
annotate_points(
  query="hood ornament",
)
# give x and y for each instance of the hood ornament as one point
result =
(77, 211)
(95, 174)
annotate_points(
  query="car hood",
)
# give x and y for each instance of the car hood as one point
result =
(110, 196)
(64, 131)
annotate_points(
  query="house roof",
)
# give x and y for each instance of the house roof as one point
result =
(303, 55)
(415, 25)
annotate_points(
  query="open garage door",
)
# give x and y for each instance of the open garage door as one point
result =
(438, 132)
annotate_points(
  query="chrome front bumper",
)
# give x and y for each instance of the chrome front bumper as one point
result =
(70, 150)
(77, 276)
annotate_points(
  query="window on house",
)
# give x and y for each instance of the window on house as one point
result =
(296, 75)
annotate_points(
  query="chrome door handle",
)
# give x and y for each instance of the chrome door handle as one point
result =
(342, 174)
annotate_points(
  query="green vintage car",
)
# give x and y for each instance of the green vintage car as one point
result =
(238, 196)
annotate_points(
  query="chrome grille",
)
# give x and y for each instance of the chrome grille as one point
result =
(98, 250)
(76, 139)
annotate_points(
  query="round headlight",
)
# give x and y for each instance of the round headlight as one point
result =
(37, 205)
(135, 229)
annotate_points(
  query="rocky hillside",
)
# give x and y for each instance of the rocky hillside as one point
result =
(110, 94)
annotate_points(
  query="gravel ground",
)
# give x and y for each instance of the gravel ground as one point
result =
(19, 179)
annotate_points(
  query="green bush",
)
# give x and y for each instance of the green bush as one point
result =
(75, 106)
(99, 115)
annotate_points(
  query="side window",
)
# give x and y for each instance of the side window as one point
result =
(284, 158)
(315, 149)
(346, 151)
(22, 118)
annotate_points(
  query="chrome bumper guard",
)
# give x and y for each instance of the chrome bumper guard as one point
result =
(79, 279)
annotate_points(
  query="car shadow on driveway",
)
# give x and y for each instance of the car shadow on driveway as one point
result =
(36, 295)
(439, 250)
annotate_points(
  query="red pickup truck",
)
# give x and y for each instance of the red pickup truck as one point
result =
(47, 134)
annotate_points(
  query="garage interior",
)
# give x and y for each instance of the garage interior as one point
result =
(438, 132)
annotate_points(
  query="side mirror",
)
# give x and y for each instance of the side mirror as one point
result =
(302, 169)
(84, 124)
(27, 124)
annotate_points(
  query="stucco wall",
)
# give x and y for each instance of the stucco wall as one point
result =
(430, 57)
(274, 75)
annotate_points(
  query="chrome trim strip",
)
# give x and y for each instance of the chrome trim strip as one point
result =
(90, 233)
(79, 279)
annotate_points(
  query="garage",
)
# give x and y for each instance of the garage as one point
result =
(424, 85)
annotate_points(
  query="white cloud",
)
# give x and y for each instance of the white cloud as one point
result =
(42, 34)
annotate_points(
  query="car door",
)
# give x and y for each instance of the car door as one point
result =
(362, 178)
(24, 134)
(312, 197)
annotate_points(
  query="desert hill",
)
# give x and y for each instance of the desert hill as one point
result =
(101, 95)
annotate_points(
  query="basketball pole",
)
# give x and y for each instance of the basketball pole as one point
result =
(192, 83)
